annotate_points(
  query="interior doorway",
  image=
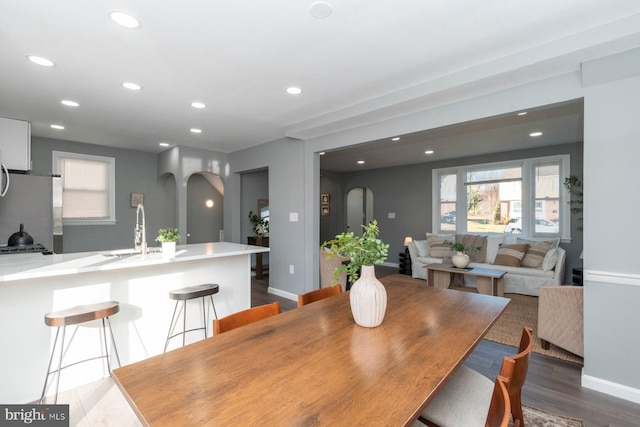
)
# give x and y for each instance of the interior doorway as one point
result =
(205, 208)
(359, 209)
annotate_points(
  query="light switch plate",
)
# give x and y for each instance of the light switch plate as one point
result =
(392, 215)
(293, 216)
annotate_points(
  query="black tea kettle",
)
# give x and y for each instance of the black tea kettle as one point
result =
(21, 238)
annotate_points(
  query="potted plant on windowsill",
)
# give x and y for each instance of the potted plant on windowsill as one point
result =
(168, 237)
(460, 259)
(368, 296)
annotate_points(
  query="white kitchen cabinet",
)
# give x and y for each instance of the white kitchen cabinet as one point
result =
(15, 144)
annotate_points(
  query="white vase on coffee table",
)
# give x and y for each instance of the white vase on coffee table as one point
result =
(460, 260)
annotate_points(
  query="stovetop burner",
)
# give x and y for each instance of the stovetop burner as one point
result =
(4, 250)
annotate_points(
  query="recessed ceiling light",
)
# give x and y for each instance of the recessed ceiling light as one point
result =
(198, 105)
(163, 144)
(58, 127)
(320, 9)
(69, 103)
(125, 19)
(361, 162)
(209, 203)
(429, 152)
(397, 138)
(294, 90)
(40, 61)
(131, 86)
(522, 113)
(535, 134)
(195, 130)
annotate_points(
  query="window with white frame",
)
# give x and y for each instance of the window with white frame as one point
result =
(88, 187)
(517, 197)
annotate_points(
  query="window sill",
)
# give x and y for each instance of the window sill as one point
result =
(88, 222)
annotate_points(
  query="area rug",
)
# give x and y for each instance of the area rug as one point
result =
(523, 311)
(538, 418)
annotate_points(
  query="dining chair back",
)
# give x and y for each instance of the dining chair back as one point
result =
(319, 294)
(517, 374)
(474, 389)
(500, 409)
(245, 317)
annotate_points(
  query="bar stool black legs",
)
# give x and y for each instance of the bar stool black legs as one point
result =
(184, 295)
(73, 316)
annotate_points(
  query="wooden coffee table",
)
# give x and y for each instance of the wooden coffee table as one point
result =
(489, 282)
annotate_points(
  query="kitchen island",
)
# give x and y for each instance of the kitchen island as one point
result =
(32, 285)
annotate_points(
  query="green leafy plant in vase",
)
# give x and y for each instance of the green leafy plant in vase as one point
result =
(367, 296)
(365, 250)
(460, 259)
(168, 237)
(260, 226)
(459, 247)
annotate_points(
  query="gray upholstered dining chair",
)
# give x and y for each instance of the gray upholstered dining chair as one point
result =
(497, 412)
(468, 394)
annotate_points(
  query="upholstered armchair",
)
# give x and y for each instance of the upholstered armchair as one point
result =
(327, 266)
(560, 318)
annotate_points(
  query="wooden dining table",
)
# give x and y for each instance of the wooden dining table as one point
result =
(313, 366)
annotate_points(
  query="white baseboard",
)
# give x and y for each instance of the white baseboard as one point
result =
(283, 294)
(614, 389)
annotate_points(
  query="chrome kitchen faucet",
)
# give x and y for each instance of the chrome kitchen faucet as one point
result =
(140, 232)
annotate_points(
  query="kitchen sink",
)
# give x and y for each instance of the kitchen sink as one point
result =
(128, 252)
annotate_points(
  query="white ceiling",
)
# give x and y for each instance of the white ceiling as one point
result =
(560, 123)
(369, 60)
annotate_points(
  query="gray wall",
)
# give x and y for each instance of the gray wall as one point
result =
(136, 172)
(285, 162)
(332, 183)
(406, 191)
(612, 285)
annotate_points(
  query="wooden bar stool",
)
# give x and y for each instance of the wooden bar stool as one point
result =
(185, 294)
(74, 316)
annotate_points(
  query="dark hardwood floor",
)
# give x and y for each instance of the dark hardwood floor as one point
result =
(552, 384)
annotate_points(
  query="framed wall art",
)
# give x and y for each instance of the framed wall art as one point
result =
(325, 210)
(324, 199)
(137, 199)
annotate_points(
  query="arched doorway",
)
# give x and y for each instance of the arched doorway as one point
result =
(359, 208)
(205, 208)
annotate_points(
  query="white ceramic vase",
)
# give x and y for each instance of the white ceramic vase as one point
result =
(368, 299)
(168, 250)
(460, 260)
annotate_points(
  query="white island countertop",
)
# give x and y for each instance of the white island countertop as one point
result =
(32, 285)
(35, 265)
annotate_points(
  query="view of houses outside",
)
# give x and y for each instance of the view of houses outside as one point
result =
(494, 200)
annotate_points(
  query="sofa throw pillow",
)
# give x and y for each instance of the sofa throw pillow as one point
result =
(550, 260)
(471, 241)
(423, 247)
(493, 243)
(511, 255)
(437, 247)
(536, 253)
